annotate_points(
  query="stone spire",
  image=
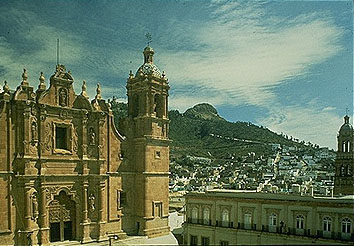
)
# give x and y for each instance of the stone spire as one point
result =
(98, 92)
(83, 90)
(24, 78)
(6, 88)
(41, 86)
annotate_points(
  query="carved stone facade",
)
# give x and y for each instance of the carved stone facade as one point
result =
(62, 171)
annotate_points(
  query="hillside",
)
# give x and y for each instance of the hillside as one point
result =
(201, 131)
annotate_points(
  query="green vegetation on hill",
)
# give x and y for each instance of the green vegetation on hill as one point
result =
(200, 131)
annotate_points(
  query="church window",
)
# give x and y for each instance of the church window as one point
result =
(136, 106)
(123, 198)
(61, 137)
(206, 216)
(205, 241)
(225, 217)
(327, 223)
(194, 215)
(158, 209)
(300, 222)
(194, 240)
(346, 225)
(247, 219)
(224, 243)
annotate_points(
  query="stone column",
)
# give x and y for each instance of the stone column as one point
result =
(101, 196)
(44, 220)
(102, 233)
(28, 216)
(164, 106)
(85, 223)
(84, 196)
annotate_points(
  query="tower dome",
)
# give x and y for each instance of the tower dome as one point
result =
(346, 127)
(148, 68)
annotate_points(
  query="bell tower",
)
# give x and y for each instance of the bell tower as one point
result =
(344, 176)
(146, 128)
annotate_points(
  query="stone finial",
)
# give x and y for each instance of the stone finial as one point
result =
(98, 91)
(131, 75)
(24, 77)
(6, 88)
(41, 85)
(83, 91)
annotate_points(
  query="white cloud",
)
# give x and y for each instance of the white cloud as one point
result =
(309, 124)
(245, 54)
(245, 58)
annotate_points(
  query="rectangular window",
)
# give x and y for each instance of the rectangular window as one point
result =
(224, 243)
(194, 240)
(123, 198)
(61, 137)
(205, 241)
(157, 154)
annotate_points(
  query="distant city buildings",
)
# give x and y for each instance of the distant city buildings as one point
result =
(298, 197)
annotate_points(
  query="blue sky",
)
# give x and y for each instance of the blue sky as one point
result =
(287, 65)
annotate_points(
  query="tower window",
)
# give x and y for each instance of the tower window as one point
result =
(61, 137)
(157, 154)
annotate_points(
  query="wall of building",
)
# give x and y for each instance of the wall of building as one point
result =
(261, 207)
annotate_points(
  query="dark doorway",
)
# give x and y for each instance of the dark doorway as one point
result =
(55, 232)
(62, 218)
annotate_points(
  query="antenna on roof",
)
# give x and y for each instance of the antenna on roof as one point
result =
(57, 51)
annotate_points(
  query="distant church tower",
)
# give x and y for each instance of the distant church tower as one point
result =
(344, 177)
(146, 179)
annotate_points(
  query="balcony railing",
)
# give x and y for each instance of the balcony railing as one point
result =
(277, 229)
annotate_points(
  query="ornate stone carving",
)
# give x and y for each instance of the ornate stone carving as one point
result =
(92, 136)
(34, 134)
(75, 140)
(35, 212)
(63, 114)
(63, 97)
(48, 137)
(91, 201)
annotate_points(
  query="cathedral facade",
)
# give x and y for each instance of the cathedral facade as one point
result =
(68, 174)
(344, 176)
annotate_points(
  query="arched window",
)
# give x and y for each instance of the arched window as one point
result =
(273, 219)
(247, 220)
(327, 224)
(346, 225)
(194, 215)
(206, 216)
(225, 217)
(348, 146)
(300, 222)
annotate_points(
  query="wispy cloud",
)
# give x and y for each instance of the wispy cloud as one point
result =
(246, 53)
(310, 124)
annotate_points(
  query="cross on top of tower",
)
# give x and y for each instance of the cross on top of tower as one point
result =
(148, 38)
